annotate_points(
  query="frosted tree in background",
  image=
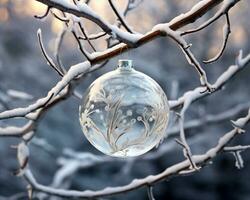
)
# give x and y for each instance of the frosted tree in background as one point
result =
(121, 37)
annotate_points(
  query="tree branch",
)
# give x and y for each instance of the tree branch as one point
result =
(150, 180)
(119, 16)
(196, 12)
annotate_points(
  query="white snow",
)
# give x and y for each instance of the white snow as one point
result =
(19, 94)
(126, 36)
(22, 154)
(73, 72)
(193, 10)
(13, 130)
(87, 12)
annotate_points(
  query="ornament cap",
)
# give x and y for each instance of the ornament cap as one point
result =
(125, 64)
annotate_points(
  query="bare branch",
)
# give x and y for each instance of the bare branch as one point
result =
(165, 29)
(86, 160)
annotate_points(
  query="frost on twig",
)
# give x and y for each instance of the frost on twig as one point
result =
(120, 16)
(227, 5)
(73, 72)
(49, 60)
(22, 157)
(44, 15)
(150, 193)
(226, 32)
(137, 183)
(239, 163)
(224, 10)
(196, 159)
(176, 36)
(119, 41)
(19, 95)
(236, 151)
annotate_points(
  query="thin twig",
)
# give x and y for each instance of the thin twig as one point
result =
(227, 5)
(46, 56)
(45, 14)
(57, 50)
(135, 184)
(226, 33)
(86, 36)
(94, 36)
(150, 192)
(119, 16)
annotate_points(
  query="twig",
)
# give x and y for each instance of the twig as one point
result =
(119, 16)
(65, 88)
(57, 50)
(63, 19)
(94, 36)
(132, 42)
(44, 15)
(227, 5)
(236, 148)
(86, 36)
(226, 33)
(46, 56)
(150, 192)
(138, 183)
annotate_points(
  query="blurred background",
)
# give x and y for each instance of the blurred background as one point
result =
(23, 68)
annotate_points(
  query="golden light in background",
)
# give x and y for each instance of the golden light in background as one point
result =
(141, 19)
(35, 7)
(101, 7)
(4, 14)
(56, 25)
(28, 7)
(3, 2)
(239, 36)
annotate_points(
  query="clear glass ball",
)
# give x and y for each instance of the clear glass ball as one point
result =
(124, 112)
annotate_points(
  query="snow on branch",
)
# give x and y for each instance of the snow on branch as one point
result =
(69, 169)
(224, 10)
(227, 5)
(130, 40)
(83, 10)
(71, 13)
(175, 169)
(86, 160)
(19, 94)
(81, 68)
(73, 72)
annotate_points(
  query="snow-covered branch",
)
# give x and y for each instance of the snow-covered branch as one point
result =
(119, 41)
(81, 68)
(197, 93)
(130, 40)
(83, 10)
(150, 180)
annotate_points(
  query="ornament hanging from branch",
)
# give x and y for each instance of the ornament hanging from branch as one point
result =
(124, 112)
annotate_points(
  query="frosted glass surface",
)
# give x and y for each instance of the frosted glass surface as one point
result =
(124, 113)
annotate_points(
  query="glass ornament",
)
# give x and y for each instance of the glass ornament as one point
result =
(124, 112)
